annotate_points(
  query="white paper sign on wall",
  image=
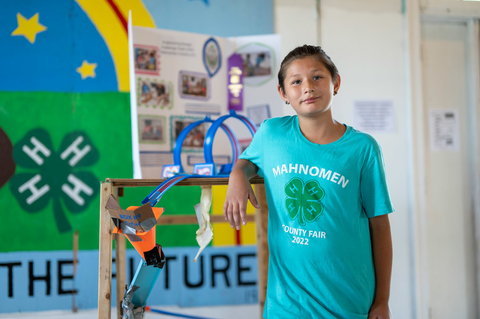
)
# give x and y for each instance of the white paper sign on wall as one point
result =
(374, 116)
(444, 130)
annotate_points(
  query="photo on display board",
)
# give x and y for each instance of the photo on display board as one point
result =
(256, 63)
(154, 93)
(147, 59)
(258, 113)
(194, 85)
(151, 129)
(194, 139)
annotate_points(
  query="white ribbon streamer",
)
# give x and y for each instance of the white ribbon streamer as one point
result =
(205, 232)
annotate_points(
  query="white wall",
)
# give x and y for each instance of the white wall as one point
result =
(366, 41)
(298, 24)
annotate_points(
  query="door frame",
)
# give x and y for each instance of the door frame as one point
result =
(418, 11)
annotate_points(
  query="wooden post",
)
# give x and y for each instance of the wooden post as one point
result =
(261, 221)
(105, 255)
(75, 261)
(120, 247)
(120, 261)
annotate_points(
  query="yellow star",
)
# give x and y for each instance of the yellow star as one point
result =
(28, 28)
(87, 69)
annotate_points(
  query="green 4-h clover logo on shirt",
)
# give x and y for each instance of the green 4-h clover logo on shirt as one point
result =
(303, 200)
(50, 175)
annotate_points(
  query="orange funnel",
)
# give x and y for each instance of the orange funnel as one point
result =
(147, 241)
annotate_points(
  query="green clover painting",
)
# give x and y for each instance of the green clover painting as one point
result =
(56, 176)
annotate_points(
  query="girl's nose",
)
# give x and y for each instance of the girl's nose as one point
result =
(308, 88)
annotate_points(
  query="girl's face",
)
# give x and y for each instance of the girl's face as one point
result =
(309, 87)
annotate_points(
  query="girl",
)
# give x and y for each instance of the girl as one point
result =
(328, 230)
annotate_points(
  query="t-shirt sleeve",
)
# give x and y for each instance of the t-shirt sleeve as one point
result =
(373, 186)
(254, 152)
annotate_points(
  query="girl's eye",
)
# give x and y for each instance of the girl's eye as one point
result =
(318, 77)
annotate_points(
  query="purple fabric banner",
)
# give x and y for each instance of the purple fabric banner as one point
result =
(235, 82)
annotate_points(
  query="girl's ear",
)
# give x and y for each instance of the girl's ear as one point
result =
(282, 95)
(336, 84)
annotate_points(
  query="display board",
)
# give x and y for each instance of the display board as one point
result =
(182, 77)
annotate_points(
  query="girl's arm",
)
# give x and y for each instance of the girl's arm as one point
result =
(238, 192)
(382, 259)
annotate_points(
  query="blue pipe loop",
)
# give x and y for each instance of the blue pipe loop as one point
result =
(208, 143)
(177, 149)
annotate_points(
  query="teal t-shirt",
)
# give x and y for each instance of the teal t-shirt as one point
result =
(319, 200)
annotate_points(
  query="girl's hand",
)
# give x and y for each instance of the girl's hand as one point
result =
(379, 311)
(238, 192)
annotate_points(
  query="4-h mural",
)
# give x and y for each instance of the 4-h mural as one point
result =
(65, 125)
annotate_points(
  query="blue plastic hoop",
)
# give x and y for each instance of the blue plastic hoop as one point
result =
(208, 143)
(177, 149)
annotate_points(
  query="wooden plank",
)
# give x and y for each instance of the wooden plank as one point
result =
(75, 262)
(105, 255)
(192, 219)
(120, 262)
(120, 266)
(261, 221)
(186, 182)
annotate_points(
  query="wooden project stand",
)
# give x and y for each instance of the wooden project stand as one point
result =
(115, 186)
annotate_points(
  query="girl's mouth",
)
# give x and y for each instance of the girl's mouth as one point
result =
(310, 100)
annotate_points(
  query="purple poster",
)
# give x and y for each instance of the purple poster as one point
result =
(235, 82)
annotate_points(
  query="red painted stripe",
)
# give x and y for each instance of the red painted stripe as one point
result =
(238, 238)
(119, 15)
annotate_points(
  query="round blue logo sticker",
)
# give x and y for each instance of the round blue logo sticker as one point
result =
(212, 56)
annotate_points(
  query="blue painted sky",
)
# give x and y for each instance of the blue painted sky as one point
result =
(224, 18)
(50, 63)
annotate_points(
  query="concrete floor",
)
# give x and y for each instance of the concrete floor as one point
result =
(218, 312)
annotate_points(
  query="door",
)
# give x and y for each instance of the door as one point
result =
(449, 199)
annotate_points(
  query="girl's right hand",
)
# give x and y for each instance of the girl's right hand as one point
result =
(238, 192)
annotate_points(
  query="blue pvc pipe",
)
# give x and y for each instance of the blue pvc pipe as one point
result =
(173, 314)
(145, 278)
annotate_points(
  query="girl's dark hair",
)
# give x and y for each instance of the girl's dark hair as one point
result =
(303, 52)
